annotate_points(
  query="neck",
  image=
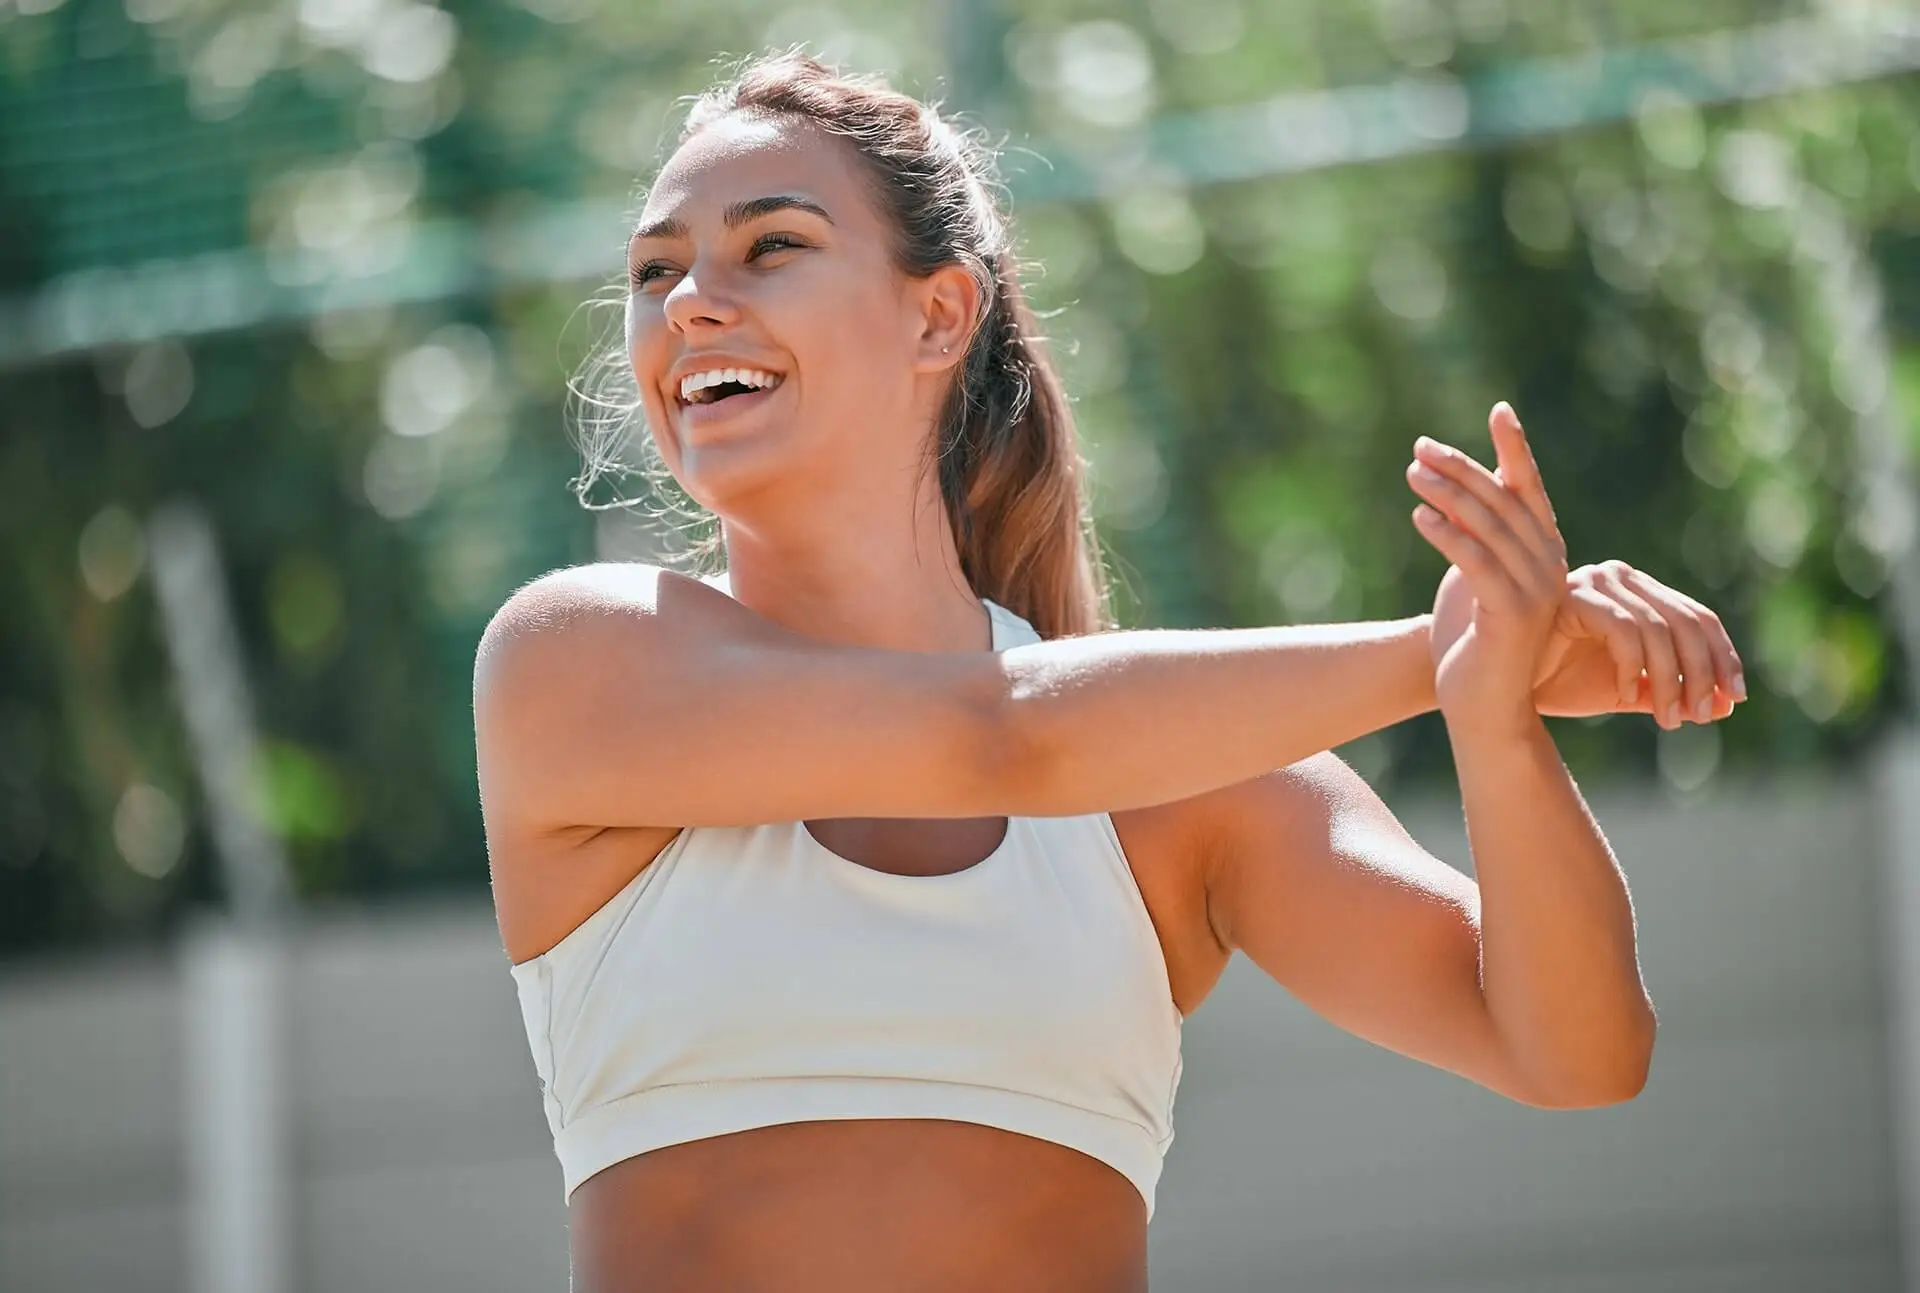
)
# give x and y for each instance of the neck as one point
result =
(875, 575)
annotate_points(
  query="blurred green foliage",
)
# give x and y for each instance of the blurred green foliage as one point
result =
(1703, 312)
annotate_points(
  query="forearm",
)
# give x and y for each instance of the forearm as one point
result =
(1123, 720)
(1559, 967)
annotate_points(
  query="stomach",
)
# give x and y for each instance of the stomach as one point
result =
(861, 1206)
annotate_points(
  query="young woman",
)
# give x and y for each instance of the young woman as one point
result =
(855, 897)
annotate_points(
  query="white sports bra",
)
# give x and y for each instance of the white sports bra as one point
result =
(751, 976)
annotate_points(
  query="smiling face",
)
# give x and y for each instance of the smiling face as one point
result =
(761, 251)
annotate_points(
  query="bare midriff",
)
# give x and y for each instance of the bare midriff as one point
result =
(868, 1206)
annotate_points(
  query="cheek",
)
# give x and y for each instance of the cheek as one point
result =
(847, 338)
(645, 330)
(646, 338)
(646, 335)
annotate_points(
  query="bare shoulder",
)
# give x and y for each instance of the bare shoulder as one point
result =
(568, 596)
(558, 644)
(547, 879)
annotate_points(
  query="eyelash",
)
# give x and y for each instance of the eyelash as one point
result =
(640, 276)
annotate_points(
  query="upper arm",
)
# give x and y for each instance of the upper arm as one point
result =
(620, 695)
(1314, 878)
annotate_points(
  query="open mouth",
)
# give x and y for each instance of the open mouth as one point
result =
(727, 384)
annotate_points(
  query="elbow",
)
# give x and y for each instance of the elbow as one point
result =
(1595, 1092)
(1615, 1078)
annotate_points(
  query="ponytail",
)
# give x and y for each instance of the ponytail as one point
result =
(1011, 475)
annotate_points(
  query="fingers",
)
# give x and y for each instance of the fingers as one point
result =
(1617, 626)
(1488, 576)
(1474, 500)
(1713, 678)
(1500, 494)
(1693, 672)
(1661, 657)
(1518, 470)
(1466, 512)
(1516, 490)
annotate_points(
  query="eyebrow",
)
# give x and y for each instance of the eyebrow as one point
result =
(736, 215)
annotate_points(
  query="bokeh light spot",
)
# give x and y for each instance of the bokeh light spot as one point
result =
(112, 552)
(158, 383)
(149, 830)
(1156, 229)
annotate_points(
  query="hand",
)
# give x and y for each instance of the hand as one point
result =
(1622, 643)
(1499, 532)
(1619, 641)
(1627, 643)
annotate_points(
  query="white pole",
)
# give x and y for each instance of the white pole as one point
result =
(1885, 517)
(238, 1139)
(191, 588)
(236, 1113)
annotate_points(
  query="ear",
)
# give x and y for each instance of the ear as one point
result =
(945, 303)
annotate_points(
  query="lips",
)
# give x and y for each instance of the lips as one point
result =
(697, 416)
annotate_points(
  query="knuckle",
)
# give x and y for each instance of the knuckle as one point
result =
(1654, 634)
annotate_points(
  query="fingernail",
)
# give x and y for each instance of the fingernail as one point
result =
(1739, 686)
(1703, 712)
(1673, 714)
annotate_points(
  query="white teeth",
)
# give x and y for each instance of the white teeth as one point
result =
(693, 383)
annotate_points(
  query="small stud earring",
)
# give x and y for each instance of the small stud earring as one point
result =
(945, 349)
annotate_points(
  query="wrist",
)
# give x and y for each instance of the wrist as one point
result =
(1420, 635)
(1501, 723)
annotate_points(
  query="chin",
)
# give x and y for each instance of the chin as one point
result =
(738, 478)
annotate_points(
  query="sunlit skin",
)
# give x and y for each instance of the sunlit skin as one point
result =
(833, 525)
(834, 530)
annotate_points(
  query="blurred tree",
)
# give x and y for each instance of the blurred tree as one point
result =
(398, 208)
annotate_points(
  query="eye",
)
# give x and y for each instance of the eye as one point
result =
(640, 275)
(773, 242)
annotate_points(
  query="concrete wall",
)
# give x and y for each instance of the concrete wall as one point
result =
(1759, 1158)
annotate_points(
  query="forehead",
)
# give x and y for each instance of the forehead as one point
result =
(745, 156)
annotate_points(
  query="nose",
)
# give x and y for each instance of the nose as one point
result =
(699, 299)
